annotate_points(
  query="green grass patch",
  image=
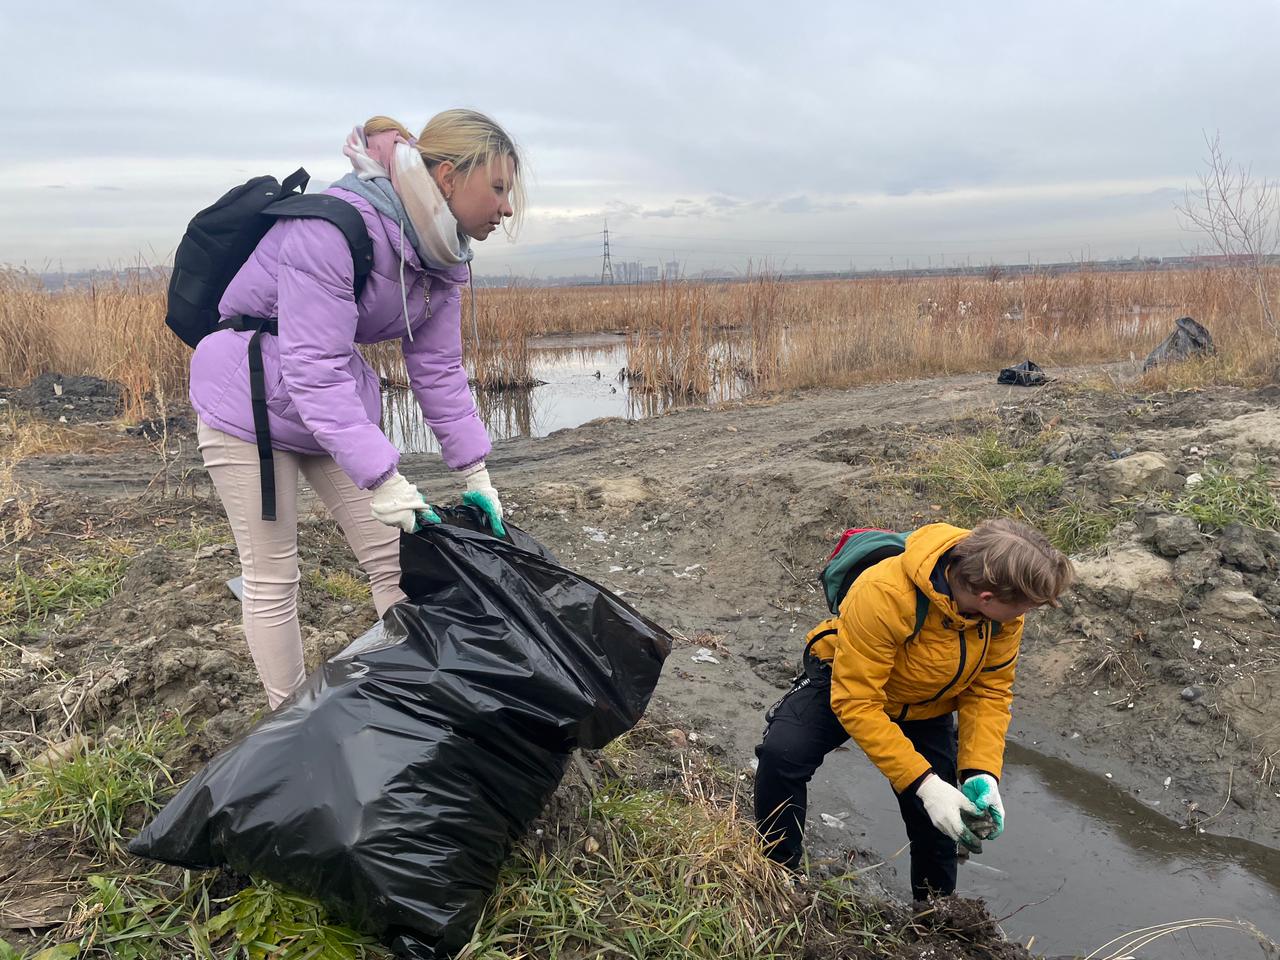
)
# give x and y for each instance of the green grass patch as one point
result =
(141, 917)
(982, 476)
(196, 536)
(1222, 498)
(96, 791)
(661, 876)
(340, 585)
(1075, 527)
(269, 924)
(153, 917)
(61, 587)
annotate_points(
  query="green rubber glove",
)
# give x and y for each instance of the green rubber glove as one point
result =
(984, 791)
(491, 507)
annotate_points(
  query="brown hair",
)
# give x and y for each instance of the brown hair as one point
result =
(466, 139)
(1015, 562)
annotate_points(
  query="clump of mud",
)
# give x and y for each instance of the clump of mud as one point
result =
(73, 399)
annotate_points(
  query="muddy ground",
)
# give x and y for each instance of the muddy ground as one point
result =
(1161, 669)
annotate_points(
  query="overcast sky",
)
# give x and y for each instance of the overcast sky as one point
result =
(817, 135)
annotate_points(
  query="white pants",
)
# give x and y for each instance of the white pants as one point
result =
(269, 548)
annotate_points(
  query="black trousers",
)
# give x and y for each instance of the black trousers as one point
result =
(800, 731)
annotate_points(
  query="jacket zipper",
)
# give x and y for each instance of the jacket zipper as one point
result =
(986, 642)
(959, 672)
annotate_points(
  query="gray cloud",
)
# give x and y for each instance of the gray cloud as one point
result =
(873, 133)
(798, 204)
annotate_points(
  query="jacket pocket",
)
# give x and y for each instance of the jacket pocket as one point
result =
(273, 375)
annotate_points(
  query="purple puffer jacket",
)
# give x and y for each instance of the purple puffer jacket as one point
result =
(321, 395)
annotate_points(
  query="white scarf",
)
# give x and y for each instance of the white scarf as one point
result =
(440, 241)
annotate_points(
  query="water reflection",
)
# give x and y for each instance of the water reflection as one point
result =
(1081, 863)
(582, 380)
(508, 413)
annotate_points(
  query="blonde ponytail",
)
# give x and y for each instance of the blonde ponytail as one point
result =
(468, 140)
(376, 125)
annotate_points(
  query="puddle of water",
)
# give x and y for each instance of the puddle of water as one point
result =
(581, 384)
(1103, 863)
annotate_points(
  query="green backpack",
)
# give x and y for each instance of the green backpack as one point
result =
(857, 551)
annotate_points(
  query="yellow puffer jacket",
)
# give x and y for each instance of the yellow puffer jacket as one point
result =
(956, 663)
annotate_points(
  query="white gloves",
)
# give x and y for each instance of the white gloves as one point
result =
(944, 804)
(480, 493)
(397, 503)
(983, 790)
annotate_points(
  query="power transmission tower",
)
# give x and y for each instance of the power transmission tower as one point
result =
(606, 269)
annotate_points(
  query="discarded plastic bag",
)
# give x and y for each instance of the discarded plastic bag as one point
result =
(1189, 339)
(1025, 374)
(391, 786)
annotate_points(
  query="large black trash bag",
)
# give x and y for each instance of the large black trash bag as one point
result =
(1189, 339)
(1025, 374)
(391, 786)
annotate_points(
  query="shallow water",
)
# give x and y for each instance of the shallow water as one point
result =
(1080, 862)
(581, 384)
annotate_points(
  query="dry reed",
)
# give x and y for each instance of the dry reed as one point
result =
(113, 329)
(669, 342)
(684, 339)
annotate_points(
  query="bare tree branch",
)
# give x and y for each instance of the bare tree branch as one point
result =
(1240, 215)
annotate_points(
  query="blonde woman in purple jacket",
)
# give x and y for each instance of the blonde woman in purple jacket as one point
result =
(423, 201)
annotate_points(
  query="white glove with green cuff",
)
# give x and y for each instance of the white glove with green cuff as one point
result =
(397, 503)
(481, 493)
(944, 804)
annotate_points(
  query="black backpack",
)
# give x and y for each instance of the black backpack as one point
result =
(217, 243)
(221, 237)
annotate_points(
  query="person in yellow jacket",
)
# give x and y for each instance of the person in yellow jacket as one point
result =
(923, 639)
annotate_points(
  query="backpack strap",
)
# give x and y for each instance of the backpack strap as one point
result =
(335, 210)
(258, 402)
(297, 180)
(320, 206)
(261, 428)
(922, 613)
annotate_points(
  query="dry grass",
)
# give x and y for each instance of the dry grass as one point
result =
(1126, 947)
(851, 333)
(1238, 367)
(669, 343)
(113, 329)
(23, 437)
(687, 338)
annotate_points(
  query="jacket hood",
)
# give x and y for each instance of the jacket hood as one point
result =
(400, 241)
(924, 548)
